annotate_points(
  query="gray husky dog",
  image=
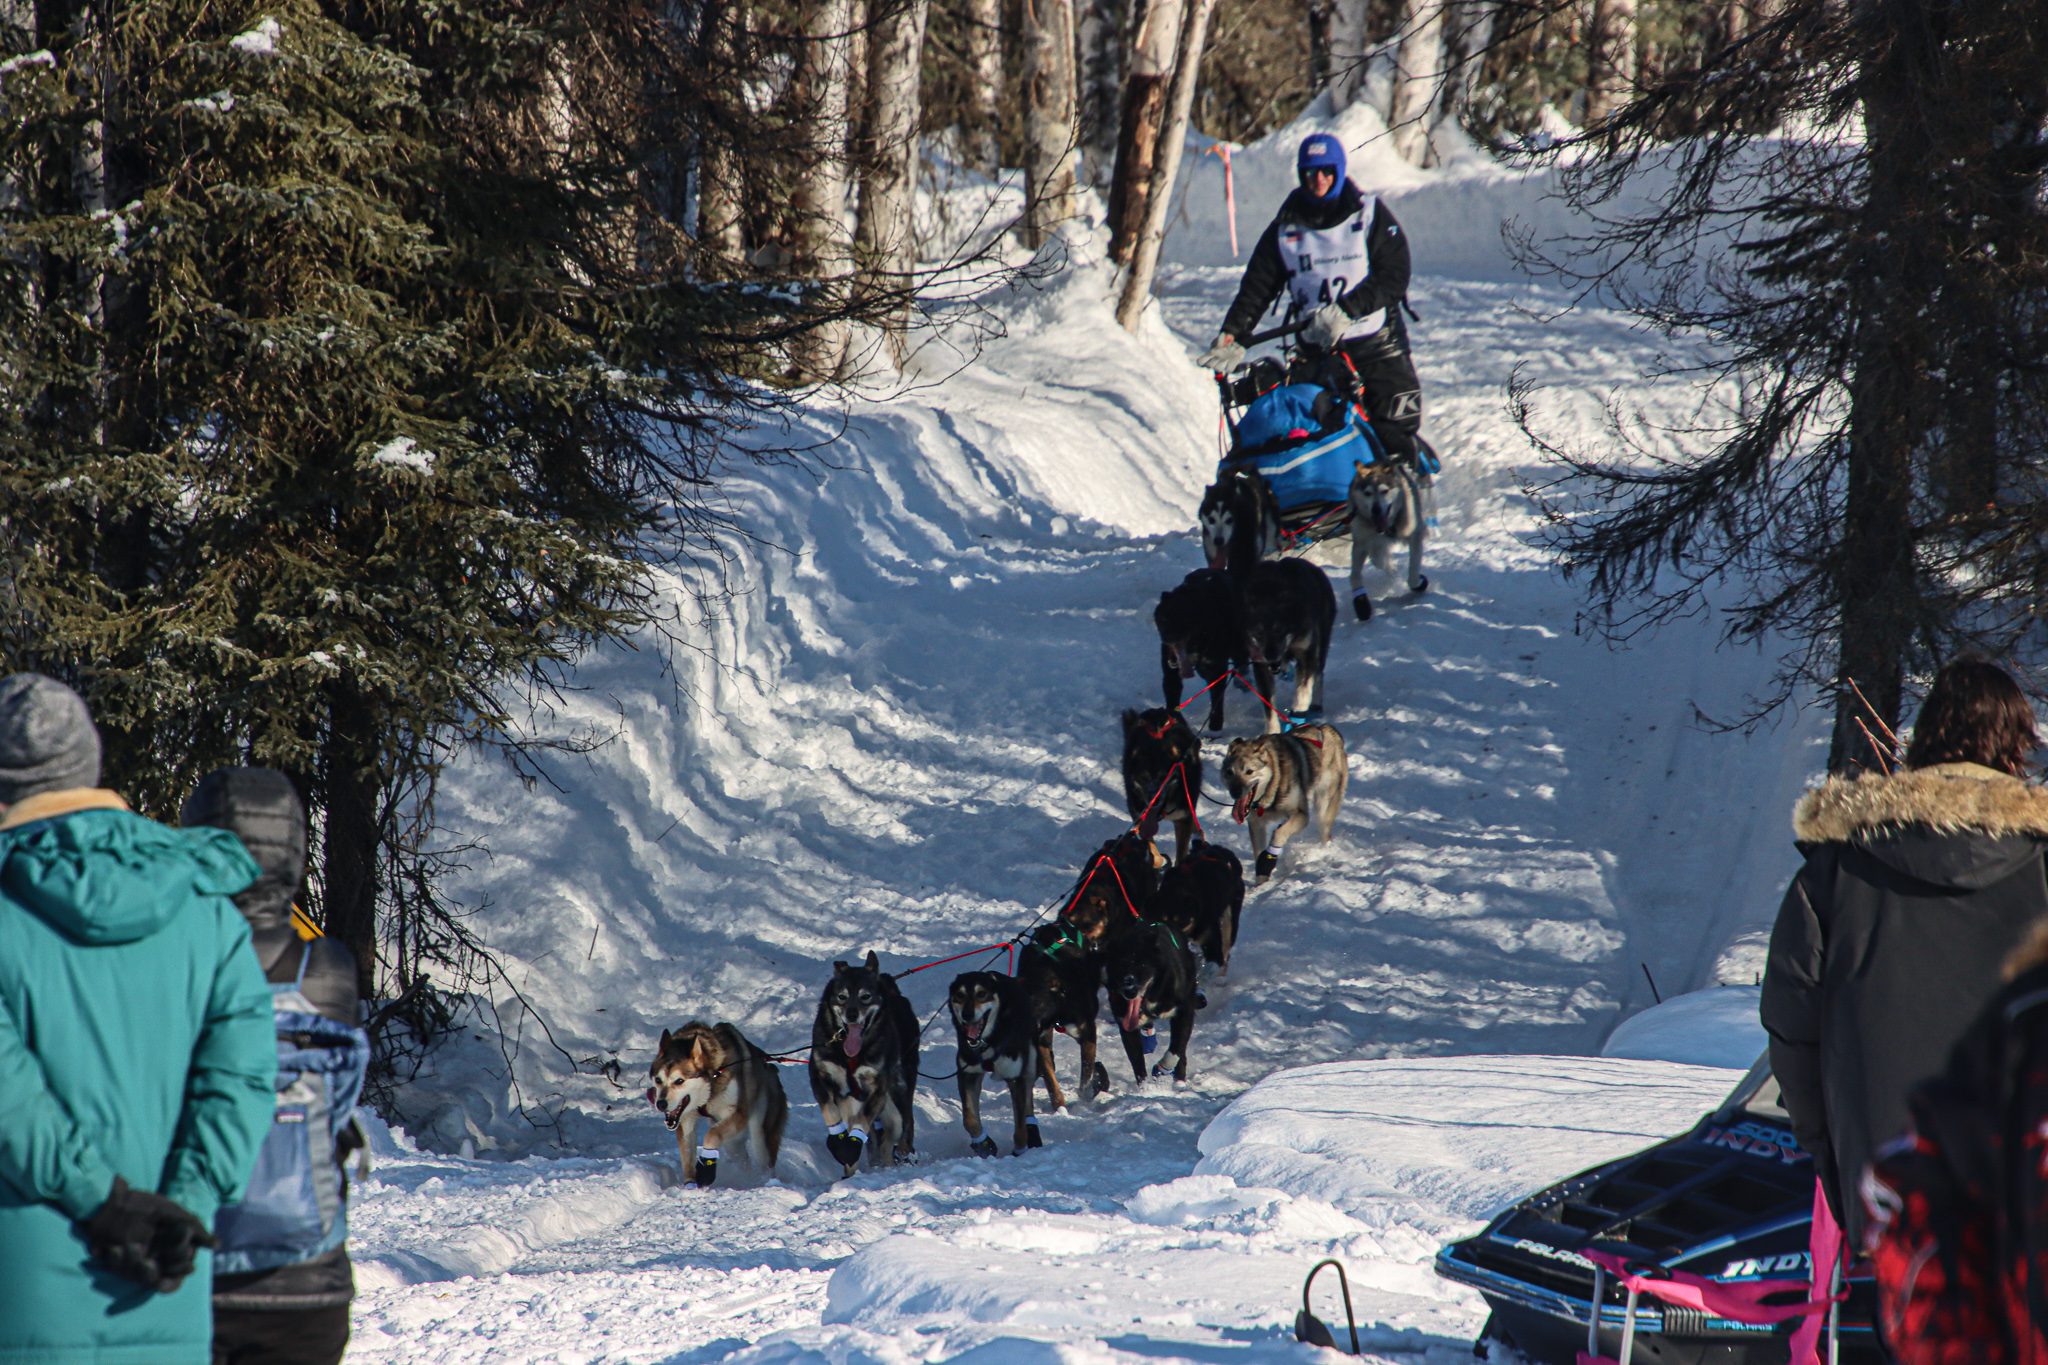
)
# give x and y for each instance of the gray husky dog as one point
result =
(1285, 780)
(711, 1073)
(1386, 507)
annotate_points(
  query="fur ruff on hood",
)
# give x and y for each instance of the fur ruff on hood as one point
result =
(1947, 798)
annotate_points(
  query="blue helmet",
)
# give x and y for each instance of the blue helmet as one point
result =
(1321, 152)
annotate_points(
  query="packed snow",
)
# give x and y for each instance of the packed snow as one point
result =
(902, 735)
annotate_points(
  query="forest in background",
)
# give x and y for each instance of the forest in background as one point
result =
(362, 360)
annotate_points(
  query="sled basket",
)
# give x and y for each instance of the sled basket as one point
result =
(1304, 441)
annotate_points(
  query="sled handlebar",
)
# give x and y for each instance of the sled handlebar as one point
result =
(1271, 334)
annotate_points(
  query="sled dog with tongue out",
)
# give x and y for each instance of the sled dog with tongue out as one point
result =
(864, 1066)
(993, 1022)
(1285, 780)
(1151, 975)
(711, 1073)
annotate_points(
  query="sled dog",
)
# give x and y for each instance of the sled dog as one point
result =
(1240, 521)
(1151, 976)
(1285, 780)
(1116, 884)
(1200, 898)
(993, 1025)
(1290, 611)
(864, 1065)
(1162, 773)
(1386, 506)
(1062, 980)
(710, 1072)
(1199, 634)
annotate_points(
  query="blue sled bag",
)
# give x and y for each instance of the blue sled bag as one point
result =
(295, 1208)
(1304, 442)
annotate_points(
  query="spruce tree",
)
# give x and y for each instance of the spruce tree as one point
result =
(347, 393)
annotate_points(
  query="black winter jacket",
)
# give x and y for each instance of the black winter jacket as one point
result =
(1889, 940)
(260, 807)
(1265, 275)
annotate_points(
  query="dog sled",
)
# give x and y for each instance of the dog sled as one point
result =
(1304, 439)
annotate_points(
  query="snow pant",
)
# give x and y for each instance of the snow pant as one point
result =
(1381, 374)
(1390, 391)
(288, 1336)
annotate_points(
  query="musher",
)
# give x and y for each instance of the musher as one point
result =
(1344, 262)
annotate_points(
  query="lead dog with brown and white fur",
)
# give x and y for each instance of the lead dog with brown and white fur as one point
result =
(711, 1073)
(1285, 780)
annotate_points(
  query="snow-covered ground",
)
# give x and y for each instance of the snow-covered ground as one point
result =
(903, 737)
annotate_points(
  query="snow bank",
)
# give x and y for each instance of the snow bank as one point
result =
(1376, 1163)
(1716, 1027)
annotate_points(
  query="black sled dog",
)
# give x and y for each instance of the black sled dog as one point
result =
(1240, 521)
(1162, 773)
(1200, 634)
(1115, 885)
(1151, 976)
(864, 1065)
(996, 1034)
(1062, 980)
(1200, 898)
(1290, 612)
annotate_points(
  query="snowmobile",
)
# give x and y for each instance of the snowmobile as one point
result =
(1730, 1200)
(1303, 437)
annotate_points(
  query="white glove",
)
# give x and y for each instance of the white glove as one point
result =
(1223, 355)
(1327, 325)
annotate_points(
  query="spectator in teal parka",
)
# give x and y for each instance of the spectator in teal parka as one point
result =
(137, 1052)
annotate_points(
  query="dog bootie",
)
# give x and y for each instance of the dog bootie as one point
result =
(1361, 605)
(1201, 1000)
(1168, 1064)
(706, 1171)
(1150, 1039)
(1031, 1137)
(845, 1148)
(1264, 864)
(983, 1146)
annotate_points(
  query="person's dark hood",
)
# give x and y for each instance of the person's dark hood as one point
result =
(1955, 826)
(260, 807)
(1304, 208)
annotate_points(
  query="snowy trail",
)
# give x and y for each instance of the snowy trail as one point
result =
(911, 745)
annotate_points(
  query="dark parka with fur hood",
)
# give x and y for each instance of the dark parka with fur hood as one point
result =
(1916, 887)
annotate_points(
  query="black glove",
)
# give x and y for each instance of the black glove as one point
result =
(145, 1237)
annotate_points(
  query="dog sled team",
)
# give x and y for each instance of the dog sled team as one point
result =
(1323, 446)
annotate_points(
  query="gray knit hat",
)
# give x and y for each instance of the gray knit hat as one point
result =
(47, 738)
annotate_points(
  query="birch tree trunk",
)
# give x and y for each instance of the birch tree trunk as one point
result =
(1419, 79)
(885, 240)
(1144, 109)
(822, 97)
(985, 82)
(1611, 60)
(1172, 139)
(1049, 118)
(1348, 40)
